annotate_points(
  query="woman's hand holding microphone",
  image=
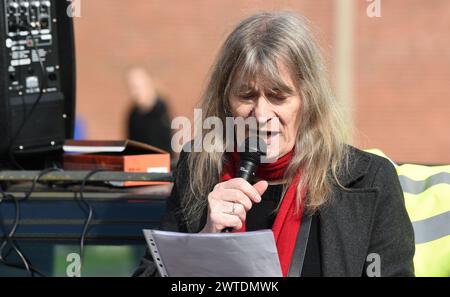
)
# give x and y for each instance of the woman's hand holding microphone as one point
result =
(229, 203)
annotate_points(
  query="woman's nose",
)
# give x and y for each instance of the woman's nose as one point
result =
(262, 110)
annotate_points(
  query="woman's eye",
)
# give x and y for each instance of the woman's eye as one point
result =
(246, 96)
(278, 96)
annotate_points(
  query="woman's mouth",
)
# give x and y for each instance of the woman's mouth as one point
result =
(267, 136)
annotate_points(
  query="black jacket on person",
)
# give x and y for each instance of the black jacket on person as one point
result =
(151, 127)
(366, 219)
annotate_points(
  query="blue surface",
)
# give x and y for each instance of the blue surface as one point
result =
(46, 225)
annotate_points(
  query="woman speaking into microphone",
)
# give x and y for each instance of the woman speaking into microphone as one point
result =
(334, 210)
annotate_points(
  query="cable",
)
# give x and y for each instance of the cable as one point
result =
(86, 208)
(10, 236)
(26, 263)
(37, 178)
(89, 211)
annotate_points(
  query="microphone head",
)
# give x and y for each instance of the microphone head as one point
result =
(252, 149)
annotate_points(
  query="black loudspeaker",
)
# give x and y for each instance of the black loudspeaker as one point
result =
(37, 76)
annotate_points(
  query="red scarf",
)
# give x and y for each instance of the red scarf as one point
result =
(287, 222)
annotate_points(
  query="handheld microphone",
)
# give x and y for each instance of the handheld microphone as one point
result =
(250, 157)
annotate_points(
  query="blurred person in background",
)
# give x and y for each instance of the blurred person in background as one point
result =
(148, 119)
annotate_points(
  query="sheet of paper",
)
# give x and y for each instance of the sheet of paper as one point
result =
(247, 254)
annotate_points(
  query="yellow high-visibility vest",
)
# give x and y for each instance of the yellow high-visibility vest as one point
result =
(427, 199)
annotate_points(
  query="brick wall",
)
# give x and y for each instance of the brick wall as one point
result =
(403, 80)
(401, 63)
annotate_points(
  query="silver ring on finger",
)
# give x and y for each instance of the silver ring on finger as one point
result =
(233, 209)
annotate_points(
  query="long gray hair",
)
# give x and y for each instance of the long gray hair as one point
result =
(253, 50)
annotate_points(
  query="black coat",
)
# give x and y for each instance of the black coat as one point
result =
(368, 217)
(151, 127)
